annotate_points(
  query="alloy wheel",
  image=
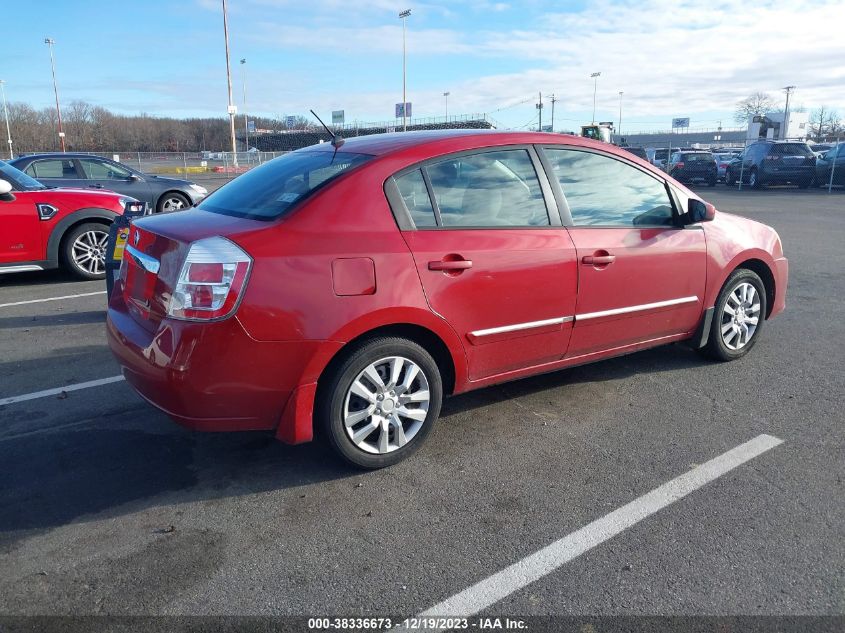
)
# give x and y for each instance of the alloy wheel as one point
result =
(89, 251)
(740, 316)
(386, 405)
(173, 203)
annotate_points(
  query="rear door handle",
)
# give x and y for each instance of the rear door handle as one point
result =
(598, 260)
(460, 264)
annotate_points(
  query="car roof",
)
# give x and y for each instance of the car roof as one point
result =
(384, 144)
(59, 155)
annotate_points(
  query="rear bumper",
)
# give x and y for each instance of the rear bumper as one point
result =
(208, 376)
(801, 174)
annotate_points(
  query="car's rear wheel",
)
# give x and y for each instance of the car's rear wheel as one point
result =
(377, 406)
(805, 184)
(173, 201)
(729, 180)
(754, 179)
(738, 318)
(84, 250)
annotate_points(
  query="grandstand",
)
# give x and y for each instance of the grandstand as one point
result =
(289, 140)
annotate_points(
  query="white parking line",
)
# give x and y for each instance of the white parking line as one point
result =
(55, 392)
(22, 303)
(543, 562)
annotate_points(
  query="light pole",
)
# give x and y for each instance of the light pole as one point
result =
(6, 113)
(539, 106)
(404, 16)
(232, 109)
(446, 96)
(788, 90)
(246, 122)
(620, 113)
(553, 99)
(595, 77)
(49, 41)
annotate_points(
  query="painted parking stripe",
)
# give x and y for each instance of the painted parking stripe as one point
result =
(23, 303)
(543, 562)
(55, 392)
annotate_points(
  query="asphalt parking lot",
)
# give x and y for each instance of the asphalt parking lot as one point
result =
(107, 507)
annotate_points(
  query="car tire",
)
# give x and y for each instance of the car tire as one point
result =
(805, 184)
(357, 391)
(712, 182)
(173, 201)
(732, 335)
(754, 179)
(729, 181)
(83, 250)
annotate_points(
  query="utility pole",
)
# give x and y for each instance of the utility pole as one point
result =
(232, 109)
(554, 100)
(246, 122)
(620, 113)
(595, 77)
(446, 96)
(785, 126)
(49, 41)
(539, 107)
(6, 113)
(404, 16)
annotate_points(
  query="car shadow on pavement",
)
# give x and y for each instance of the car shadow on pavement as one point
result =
(118, 465)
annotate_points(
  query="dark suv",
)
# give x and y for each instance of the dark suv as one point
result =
(693, 166)
(773, 162)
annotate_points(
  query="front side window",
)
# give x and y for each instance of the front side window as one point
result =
(52, 168)
(604, 191)
(489, 189)
(267, 192)
(103, 170)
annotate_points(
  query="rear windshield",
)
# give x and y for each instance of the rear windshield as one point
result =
(692, 158)
(790, 149)
(269, 191)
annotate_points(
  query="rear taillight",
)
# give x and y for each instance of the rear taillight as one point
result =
(211, 281)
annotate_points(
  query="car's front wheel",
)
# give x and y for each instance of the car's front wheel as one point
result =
(729, 180)
(738, 318)
(84, 250)
(754, 179)
(379, 404)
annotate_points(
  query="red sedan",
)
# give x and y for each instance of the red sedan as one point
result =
(351, 286)
(42, 228)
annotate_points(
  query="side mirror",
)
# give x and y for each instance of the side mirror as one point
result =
(6, 194)
(699, 211)
(134, 177)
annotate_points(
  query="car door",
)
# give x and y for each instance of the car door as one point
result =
(492, 257)
(641, 276)
(56, 172)
(20, 237)
(101, 173)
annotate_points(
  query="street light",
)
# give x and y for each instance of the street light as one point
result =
(788, 90)
(246, 123)
(404, 16)
(446, 96)
(49, 41)
(232, 109)
(595, 77)
(620, 113)
(6, 113)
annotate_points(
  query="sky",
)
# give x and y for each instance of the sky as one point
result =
(669, 58)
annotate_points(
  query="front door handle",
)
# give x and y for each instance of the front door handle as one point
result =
(458, 264)
(598, 260)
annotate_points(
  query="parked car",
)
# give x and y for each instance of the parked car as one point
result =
(96, 172)
(639, 152)
(352, 287)
(45, 228)
(723, 159)
(773, 162)
(693, 166)
(833, 159)
(660, 154)
(819, 149)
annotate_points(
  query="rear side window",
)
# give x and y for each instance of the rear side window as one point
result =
(268, 191)
(604, 191)
(489, 189)
(55, 168)
(415, 195)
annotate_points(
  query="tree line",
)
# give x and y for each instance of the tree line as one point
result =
(90, 128)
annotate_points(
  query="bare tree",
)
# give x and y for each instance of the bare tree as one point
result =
(825, 124)
(755, 104)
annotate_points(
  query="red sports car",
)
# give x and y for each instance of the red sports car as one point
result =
(42, 228)
(350, 286)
